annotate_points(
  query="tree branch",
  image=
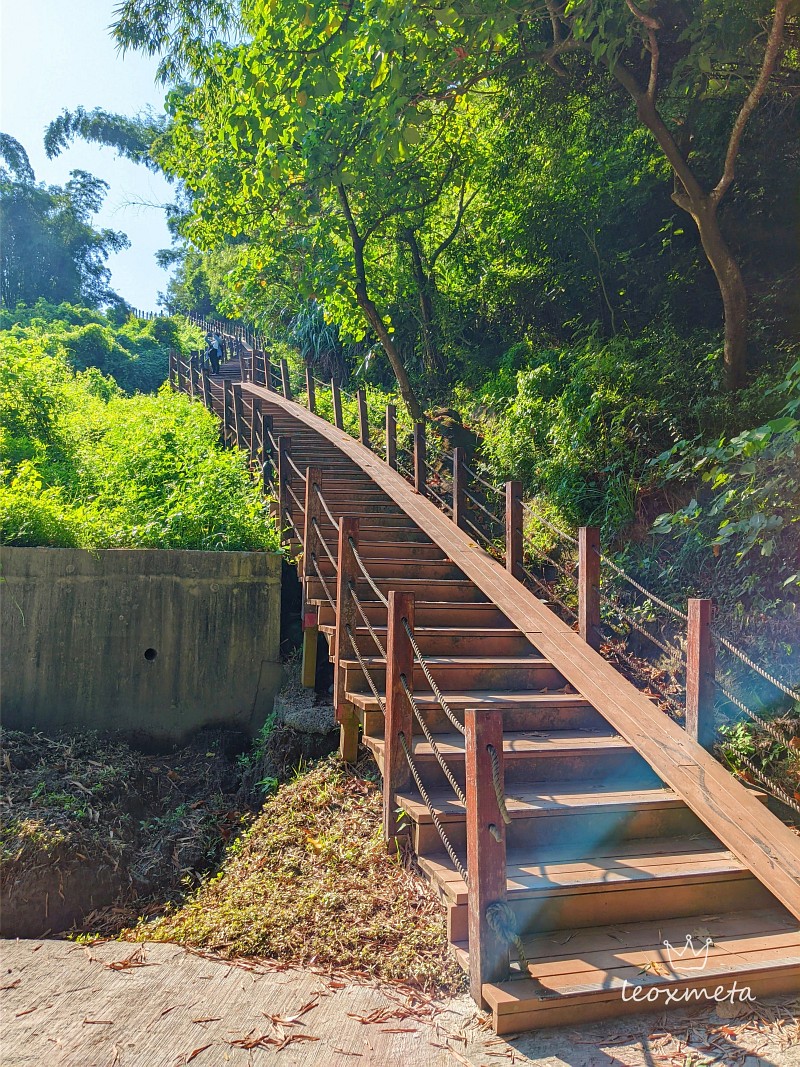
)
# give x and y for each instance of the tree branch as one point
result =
(462, 207)
(768, 66)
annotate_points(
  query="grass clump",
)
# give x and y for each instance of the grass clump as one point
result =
(311, 880)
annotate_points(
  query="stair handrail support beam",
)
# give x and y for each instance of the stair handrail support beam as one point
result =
(399, 715)
(179, 375)
(237, 414)
(391, 436)
(486, 848)
(420, 459)
(336, 399)
(363, 418)
(459, 486)
(311, 393)
(513, 528)
(311, 548)
(589, 585)
(346, 615)
(700, 664)
(284, 475)
(266, 453)
(287, 388)
(206, 389)
(227, 402)
(255, 411)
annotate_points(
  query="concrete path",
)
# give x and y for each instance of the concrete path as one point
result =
(122, 1005)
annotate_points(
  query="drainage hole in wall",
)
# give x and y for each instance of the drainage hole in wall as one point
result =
(150, 654)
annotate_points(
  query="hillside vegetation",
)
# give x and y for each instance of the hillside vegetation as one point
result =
(84, 465)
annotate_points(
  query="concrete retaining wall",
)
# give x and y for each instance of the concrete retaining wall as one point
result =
(148, 643)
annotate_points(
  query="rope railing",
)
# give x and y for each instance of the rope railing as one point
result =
(322, 541)
(365, 619)
(675, 612)
(430, 739)
(430, 679)
(482, 481)
(365, 572)
(295, 468)
(748, 662)
(482, 507)
(288, 515)
(293, 495)
(451, 852)
(538, 517)
(315, 565)
(676, 654)
(325, 507)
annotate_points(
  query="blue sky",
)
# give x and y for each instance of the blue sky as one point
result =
(56, 54)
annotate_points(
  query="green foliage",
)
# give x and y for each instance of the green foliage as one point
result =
(50, 249)
(83, 465)
(750, 485)
(134, 352)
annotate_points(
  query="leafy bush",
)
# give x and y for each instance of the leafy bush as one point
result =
(133, 351)
(83, 465)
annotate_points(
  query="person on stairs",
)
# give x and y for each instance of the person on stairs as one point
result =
(213, 352)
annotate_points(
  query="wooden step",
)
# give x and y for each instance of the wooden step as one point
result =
(387, 569)
(531, 758)
(552, 889)
(583, 974)
(453, 591)
(501, 672)
(430, 614)
(457, 640)
(585, 814)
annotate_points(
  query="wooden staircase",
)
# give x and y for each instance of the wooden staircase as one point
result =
(623, 833)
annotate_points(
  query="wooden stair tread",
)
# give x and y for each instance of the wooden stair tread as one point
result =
(478, 698)
(460, 661)
(546, 800)
(580, 964)
(663, 860)
(552, 743)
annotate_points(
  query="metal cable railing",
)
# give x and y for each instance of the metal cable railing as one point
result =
(322, 541)
(325, 507)
(782, 686)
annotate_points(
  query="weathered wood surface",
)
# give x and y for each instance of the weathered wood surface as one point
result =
(767, 847)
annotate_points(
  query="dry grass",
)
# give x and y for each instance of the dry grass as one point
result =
(311, 882)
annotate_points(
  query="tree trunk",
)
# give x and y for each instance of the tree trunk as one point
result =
(373, 316)
(424, 285)
(731, 287)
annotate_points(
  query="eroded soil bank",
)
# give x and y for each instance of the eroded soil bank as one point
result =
(96, 833)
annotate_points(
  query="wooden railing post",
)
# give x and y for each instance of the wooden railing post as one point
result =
(346, 615)
(284, 474)
(486, 848)
(514, 551)
(267, 372)
(267, 459)
(180, 376)
(287, 388)
(700, 660)
(399, 719)
(227, 405)
(336, 398)
(589, 585)
(311, 393)
(363, 417)
(192, 375)
(311, 549)
(237, 415)
(420, 464)
(171, 371)
(255, 410)
(391, 435)
(459, 487)
(206, 389)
